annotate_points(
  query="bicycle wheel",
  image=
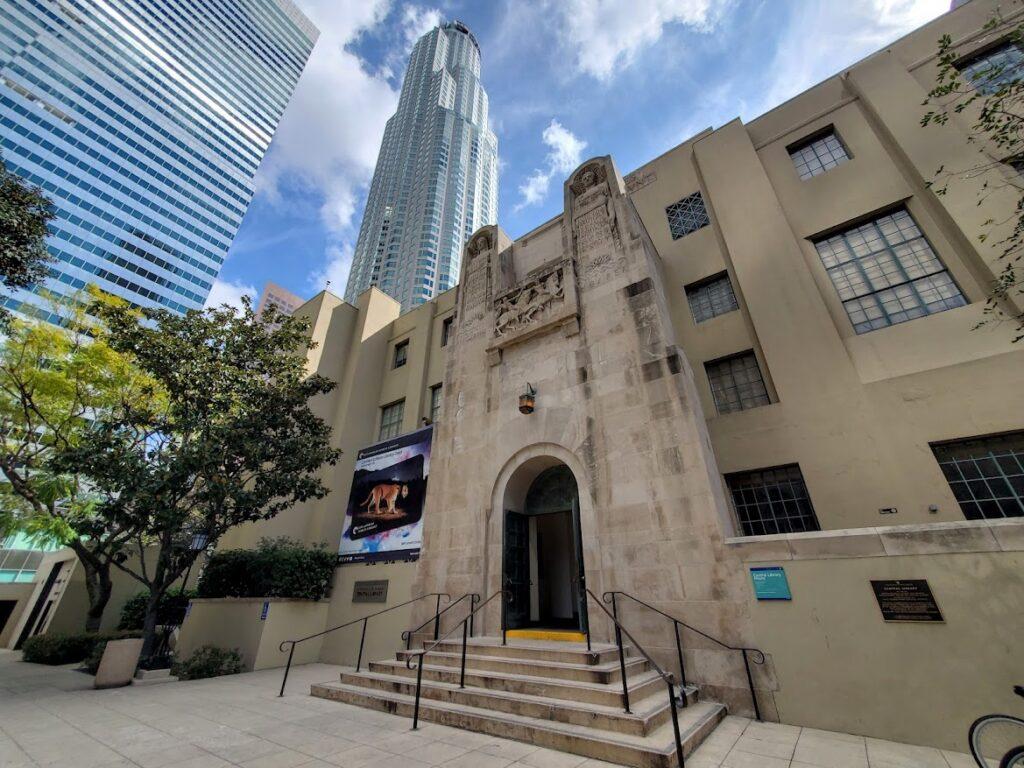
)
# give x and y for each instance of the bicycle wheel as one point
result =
(997, 741)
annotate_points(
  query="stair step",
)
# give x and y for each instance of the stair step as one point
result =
(656, 750)
(600, 673)
(641, 685)
(647, 714)
(540, 650)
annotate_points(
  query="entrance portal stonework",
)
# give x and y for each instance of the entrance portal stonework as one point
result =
(577, 310)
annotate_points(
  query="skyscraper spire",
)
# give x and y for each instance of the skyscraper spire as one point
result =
(436, 180)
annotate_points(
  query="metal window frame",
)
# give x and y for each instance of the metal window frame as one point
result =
(809, 141)
(401, 348)
(747, 525)
(992, 503)
(747, 353)
(692, 290)
(397, 424)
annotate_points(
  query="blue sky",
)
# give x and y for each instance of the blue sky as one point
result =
(567, 79)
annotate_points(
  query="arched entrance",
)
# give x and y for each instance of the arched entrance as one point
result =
(542, 555)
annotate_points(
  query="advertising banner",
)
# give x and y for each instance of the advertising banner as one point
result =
(384, 518)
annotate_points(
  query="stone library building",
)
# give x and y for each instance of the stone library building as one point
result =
(737, 398)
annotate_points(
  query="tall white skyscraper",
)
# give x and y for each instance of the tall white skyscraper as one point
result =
(436, 180)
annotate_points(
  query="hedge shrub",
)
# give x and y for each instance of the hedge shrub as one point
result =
(171, 610)
(66, 649)
(208, 661)
(276, 568)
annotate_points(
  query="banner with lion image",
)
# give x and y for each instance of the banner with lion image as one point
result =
(384, 518)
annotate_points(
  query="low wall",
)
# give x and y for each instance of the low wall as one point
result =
(839, 666)
(384, 632)
(256, 627)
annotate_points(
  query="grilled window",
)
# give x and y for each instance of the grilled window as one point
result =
(401, 354)
(446, 330)
(818, 154)
(710, 298)
(886, 272)
(986, 474)
(686, 216)
(435, 402)
(769, 501)
(994, 68)
(391, 420)
(736, 383)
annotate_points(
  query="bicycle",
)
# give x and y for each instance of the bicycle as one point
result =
(984, 738)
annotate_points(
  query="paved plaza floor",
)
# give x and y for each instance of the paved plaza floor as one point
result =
(50, 717)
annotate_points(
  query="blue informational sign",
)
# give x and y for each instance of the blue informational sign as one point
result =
(770, 583)
(265, 611)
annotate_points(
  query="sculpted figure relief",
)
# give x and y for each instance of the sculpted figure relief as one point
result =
(479, 244)
(517, 310)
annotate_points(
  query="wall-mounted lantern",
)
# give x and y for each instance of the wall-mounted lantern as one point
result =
(526, 400)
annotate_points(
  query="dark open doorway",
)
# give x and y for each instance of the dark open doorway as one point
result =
(543, 560)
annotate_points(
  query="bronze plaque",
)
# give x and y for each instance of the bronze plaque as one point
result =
(906, 600)
(375, 591)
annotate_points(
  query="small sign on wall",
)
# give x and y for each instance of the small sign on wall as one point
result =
(265, 611)
(374, 591)
(906, 600)
(770, 583)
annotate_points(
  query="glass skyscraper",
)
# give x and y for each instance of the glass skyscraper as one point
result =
(436, 180)
(144, 122)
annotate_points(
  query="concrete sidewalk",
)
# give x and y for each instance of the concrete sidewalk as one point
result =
(50, 717)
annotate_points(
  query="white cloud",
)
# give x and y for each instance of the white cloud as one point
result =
(606, 35)
(230, 293)
(333, 275)
(416, 22)
(816, 32)
(565, 153)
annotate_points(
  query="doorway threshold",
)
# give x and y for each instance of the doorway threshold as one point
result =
(562, 635)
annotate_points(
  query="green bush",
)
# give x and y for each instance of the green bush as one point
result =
(276, 568)
(208, 661)
(67, 649)
(171, 610)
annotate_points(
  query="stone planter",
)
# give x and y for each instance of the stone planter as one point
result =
(117, 667)
(255, 626)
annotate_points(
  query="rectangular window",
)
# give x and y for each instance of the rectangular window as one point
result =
(736, 383)
(401, 353)
(992, 69)
(769, 501)
(986, 474)
(711, 297)
(446, 330)
(686, 216)
(818, 153)
(391, 420)
(886, 272)
(435, 402)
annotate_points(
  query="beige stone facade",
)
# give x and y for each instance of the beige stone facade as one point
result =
(608, 315)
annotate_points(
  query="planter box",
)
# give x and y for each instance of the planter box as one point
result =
(117, 667)
(255, 626)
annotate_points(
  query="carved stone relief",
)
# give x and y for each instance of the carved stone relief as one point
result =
(519, 308)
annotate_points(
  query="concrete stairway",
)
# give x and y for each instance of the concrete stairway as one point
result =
(552, 694)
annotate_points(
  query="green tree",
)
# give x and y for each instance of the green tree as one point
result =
(56, 384)
(235, 441)
(24, 214)
(991, 98)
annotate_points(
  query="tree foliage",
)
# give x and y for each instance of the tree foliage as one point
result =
(233, 440)
(56, 384)
(991, 98)
(24, 214)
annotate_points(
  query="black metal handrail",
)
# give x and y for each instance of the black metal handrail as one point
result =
(668, 678)
(362, 639)
(420, 654)
(759, 658)
(474, 598)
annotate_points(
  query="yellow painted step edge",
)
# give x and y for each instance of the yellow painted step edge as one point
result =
(548, 634)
